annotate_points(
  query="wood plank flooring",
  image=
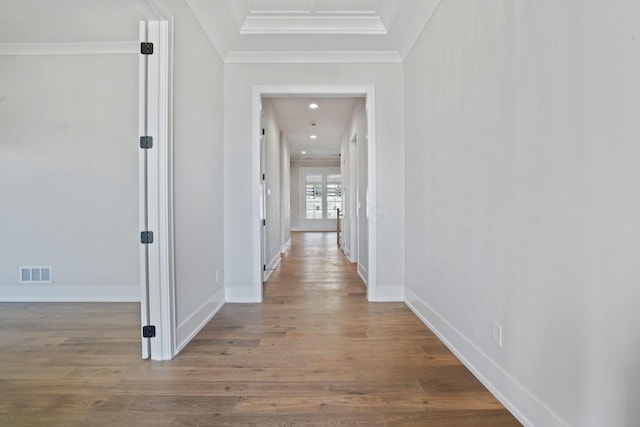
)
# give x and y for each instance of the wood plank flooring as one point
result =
(315, 353)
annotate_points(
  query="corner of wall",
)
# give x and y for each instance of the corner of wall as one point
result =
(522, 404)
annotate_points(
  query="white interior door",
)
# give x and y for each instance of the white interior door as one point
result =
(156, 233)
(263, 199)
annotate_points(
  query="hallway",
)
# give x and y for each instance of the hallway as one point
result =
(317, 353)
(314, 353)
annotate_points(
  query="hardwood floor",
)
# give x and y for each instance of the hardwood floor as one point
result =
(315, 353)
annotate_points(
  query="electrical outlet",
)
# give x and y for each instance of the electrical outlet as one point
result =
(497, 333)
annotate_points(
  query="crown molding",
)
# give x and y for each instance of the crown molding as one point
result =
(359, 25)
(311, 57)
(22, 49)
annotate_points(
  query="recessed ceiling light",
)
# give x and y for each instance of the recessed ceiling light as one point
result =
(313, 105)
(304, 152)
(313, 137)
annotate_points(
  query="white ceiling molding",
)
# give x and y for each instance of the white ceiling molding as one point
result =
(313, 25)
(311, 57)
(313, 6)
(276, 26)
(387, 11)
(313, 17)
(18, 49)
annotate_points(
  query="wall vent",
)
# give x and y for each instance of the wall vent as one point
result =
(35, 275)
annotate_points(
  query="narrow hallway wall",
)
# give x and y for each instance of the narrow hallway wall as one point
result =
(522, 205)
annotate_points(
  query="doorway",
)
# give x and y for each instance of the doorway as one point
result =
(366, 198)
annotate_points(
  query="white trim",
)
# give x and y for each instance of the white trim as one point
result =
(310, 57)
(284, 248)
(69, 293)
(107, 48)
(258, 91)
(520, 402)
(243, 295)
(142, 111)
(313, 19)
(390, 294)
(161, 292)
(356, 25)
(198, 320)
(362, 272)
(327, 229)
(272, 266)
(239, 10)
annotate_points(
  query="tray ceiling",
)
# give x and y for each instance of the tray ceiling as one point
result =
(368, 30)
(313, 16)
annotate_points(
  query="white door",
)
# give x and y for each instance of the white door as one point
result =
(263, 198)
(156, 254)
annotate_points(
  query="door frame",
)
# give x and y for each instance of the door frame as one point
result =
(366, 91)
(157, 280)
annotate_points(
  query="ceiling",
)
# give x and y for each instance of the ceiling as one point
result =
(250, 31)
(331, 119)
(244, 30)
(240, 30)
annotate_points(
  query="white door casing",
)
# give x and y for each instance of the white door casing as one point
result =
(260, 91)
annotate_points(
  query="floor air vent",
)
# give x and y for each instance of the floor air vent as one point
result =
(35, 274)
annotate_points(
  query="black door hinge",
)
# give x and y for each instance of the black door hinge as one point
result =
(148, 331)
(146, 142)
(264, 267)
(146, 48)
(146, 237)
(263, 131)
(264, 177)
(264, 222)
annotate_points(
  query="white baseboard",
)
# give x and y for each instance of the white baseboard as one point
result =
(284, 248)
(69, 293)
(198, 320)
(389, 294)
(241, 295)
(272, 266)
(518, 400)
(363, 273)
(319, 229)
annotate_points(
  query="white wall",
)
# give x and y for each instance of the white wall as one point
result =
(240, 258)
(522, 148)
(271, 147)
(197, 175)
(69, 176)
